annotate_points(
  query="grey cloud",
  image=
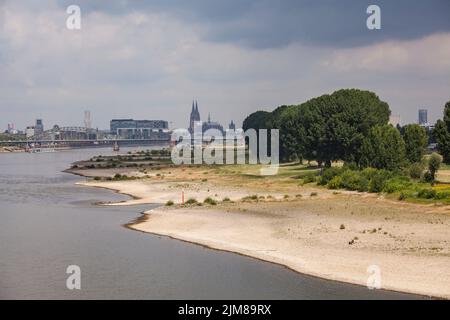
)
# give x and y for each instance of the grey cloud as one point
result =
(272, 24)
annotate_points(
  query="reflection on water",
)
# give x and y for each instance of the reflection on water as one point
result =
(47, 223)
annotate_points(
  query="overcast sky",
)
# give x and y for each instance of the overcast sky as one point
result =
(150, 59)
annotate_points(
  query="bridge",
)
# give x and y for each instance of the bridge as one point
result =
(75, 143)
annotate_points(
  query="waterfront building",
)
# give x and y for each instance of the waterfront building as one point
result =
(139, 129)
(29, 132)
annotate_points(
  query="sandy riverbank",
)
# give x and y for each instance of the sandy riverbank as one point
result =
(334, 236)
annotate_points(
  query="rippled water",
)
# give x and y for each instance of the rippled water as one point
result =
(48, 223)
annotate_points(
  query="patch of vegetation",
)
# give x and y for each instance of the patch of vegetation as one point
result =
(250, 198)
(169, 203)
(191, 201)
(210, 201)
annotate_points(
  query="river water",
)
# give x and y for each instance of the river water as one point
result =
(48, 223)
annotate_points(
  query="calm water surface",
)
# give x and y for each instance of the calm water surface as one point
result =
(47, 223)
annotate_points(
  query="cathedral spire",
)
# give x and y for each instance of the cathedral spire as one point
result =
(192, 106)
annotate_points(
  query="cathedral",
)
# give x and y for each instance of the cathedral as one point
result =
(195, 120)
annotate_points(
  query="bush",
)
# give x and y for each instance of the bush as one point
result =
(427, 194)
(191, 201)
(350, 166)
(353, 180)
(210, 201)
(248, 198)
(369, 173)
(169, 203)
(328, 174)
(397, 184)
(434, 163)
(415, 170)
(378, 181)
(226, 199)
(442, 195)
(309, 178)
(335, 183)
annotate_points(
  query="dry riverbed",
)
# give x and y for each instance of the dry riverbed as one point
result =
(308, 229)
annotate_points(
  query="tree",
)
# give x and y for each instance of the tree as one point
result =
(441, 134)
(434, 163)
(327, 128)
(383, 148)
(416, 140)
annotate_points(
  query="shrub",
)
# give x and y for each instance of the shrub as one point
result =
(415, 170)
(328, 174)
(442, 195)
(191, 201)
(369, 173)
(350, 166)
(169, 203)
(427, 193)
(397, 184)
(97, 178)
(314, 194)
(248, 198)
(210, 201)
(226, 199)
(378, 181)
(309, 178)
(353, 180)
(434, 163)
(335, 183)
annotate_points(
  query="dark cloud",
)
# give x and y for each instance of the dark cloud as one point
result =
(272, 24)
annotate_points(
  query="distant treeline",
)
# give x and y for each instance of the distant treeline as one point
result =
(348, 125)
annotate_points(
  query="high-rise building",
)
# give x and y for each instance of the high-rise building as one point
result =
(87, 119)
(423, 116)
(39, 127)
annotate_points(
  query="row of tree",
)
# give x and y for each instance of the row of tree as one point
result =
(349, 125)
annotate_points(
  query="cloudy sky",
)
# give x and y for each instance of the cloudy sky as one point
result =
(149, 59)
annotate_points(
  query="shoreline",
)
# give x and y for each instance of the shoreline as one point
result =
(175, 223)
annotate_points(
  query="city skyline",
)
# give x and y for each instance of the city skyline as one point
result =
(147, 60)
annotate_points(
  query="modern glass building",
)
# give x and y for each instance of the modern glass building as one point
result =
(423, 116)
(138, 129)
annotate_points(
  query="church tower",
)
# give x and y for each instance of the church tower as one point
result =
(195, 116)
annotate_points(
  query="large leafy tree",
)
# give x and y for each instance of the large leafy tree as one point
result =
(332, 126)
(326, 128)
(416, 140)
(383, 148)
(441, 134)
